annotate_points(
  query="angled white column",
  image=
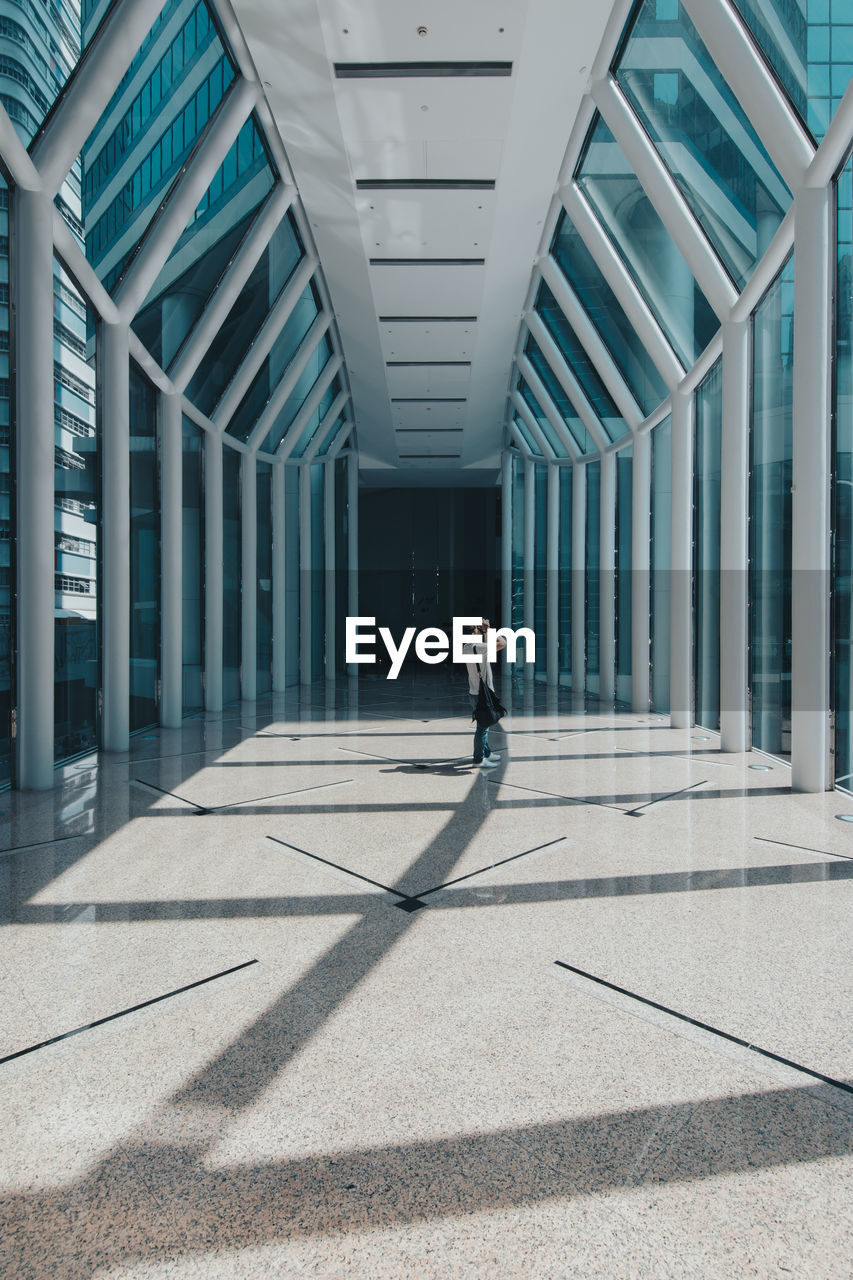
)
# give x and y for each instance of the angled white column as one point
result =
(755, 87)
(294, 372)
(279, 581)
(524, 412)
(231, 285)
(305, 576)
(812, 440)
(32, 246)
(309, 408)
(667, 200)
(567, 381)
(641, 510)
(87, 93)
(341, 439)
(734, 539)
(170, 222)
(171, 561)
(249, 569)
(506, 539)
(607, 578)
(263, 343)
(330, 417)
(681, 569)
(352, 542)
(579, 579)
(530, 546)
(543, 399)
(835, 146)
(518, 440)
(329, 557)
(553, 577)
(114, 373)
(213, 552)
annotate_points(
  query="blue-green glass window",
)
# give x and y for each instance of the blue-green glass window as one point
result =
(593, 577)
(144, 553)
(192, 559)
(809, 45)
(6, 470)
(624, 571)
(331, 435)
(313, 425)
(135, 160)
(291, 573)
(517, 540)
(320, 357)
(275, 365)
(240, 328)
(598, 300)
(76, 521)
(661, 563)
(36, 58)
(527, 435)
(318, 576)
(232, 575)
(703, 135)
(706, 544)
(559, 399)
(843, 488)
(565, 623)
(770, 557)
(341, 561)
(644, 245)
(540, 571)
(575, 356)
(264, 568)
(204, 251)
(542, 419)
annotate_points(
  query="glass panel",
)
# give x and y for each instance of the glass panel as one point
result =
(575, 356)
(76, 516)
(232, 575)
(645, 246)
(225, 354)
(131, 158)
(843, 495)
(771, 448)
(332, 435)
(703, 135)
(192, 580)
(275, 365)
(599, 301)
(199, 259)
(264, 602)
(517, 541)
(809, 44)
(543, 421)
(593, 578)
(317, 362)
(527, 436)
(144, 553)
(6, 473)
(661, 562)
(560, 400)
(291, 572)
(624, 575)
(540, 573)
(566, 474)
(341, 561)
(706, 542)
(317, 584)
(312, 426)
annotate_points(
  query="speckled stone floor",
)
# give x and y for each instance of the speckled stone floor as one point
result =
(382, 1015)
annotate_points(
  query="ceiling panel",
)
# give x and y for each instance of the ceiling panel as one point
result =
(428, 289)
(432, 224)
(388, 30)
(436, 414)
(429, 380)
(429, 341)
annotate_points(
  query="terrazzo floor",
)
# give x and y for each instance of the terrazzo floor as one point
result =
(347, 1007)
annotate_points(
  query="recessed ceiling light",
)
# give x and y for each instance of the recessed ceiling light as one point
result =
(424, 108)
(422, 31)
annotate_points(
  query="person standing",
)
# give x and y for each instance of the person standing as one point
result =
(483, 757)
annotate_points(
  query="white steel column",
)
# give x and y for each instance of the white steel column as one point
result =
(578, 579)
(249, 568)
(33, 246)
(115, 415)
(213, 551)
(171, 562)
(530, 545)
(734, 539)
(506, 539)
(329, 576)
(352, 542)
(279, 581)
(812, 438)
(641, 487)
(552, 578)
(681, 567)
(305, 575)
(607, 578)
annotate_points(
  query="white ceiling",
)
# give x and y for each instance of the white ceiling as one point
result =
(512, 130)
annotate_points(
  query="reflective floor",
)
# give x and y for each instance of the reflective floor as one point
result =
(345, 1006)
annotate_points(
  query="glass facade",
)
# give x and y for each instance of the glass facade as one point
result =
(263, 639)
(660, 563)
(317, 584)
(770, 559)
(192, 566)
(540, 572)
(291, 573)
(843, 489)
(317, 362)
(341, 559)
(544, 423)
(517, 540)
(565, 575)
(232, 574)
(593, 577)
(706, 547)
(624, 575)
(144, 553)
(559, 399)
(7, 471)
(702, 134)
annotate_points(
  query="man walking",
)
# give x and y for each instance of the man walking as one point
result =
(484, 757)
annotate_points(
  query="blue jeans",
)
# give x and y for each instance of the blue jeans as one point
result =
(481, 736)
